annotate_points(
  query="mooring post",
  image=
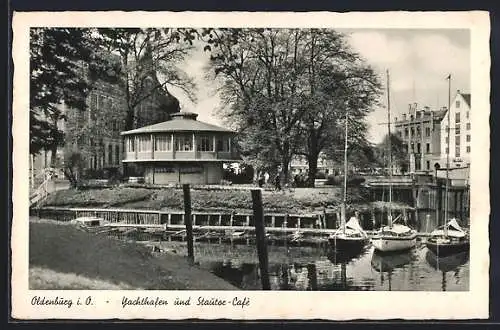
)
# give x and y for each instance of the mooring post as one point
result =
(188, 221)
(462, 205)
(258, 214)
(439, 205)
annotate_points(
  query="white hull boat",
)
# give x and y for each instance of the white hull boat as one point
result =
(396, 238)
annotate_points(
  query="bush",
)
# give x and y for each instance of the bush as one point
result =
(338, 180)
(320, 175)
(355, 180)
(334, 180)
(244, 177)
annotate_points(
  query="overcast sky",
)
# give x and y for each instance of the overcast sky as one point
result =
(418, 62)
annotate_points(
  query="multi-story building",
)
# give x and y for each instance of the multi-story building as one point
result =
(456, 138)
(420, 131)
(95, 131)
(424, 133)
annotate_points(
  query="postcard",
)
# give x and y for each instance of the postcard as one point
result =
(250, 166)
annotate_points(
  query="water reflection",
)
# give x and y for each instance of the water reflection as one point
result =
(386, 264)
(447, 264)
(300, 268)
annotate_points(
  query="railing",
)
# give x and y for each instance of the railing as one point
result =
(41, 192)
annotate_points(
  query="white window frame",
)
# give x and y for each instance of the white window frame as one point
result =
(184, 143)
(162, 142)
(205, 143)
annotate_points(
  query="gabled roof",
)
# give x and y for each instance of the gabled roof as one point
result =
(439, 115)
(180, 122)
(466, 98)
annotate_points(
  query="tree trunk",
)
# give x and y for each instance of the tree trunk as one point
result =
(286, 164)
(312, 160)
(53, 156)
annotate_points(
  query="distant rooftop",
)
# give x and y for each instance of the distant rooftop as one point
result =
(180, 122)
(466, 97)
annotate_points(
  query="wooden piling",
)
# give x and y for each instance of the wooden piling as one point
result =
(439, 207)
(312, 277)
(188, 221)
(462, 205)
(260, 234)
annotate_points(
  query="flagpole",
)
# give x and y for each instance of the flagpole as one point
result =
(447, 158)
(389, 147)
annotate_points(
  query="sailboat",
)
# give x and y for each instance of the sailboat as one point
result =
(350, 236)
(394, 236)
(449, 238)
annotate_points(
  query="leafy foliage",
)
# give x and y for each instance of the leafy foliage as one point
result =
(399, 156)
(288, 90)
(149, 59)
(55, 76)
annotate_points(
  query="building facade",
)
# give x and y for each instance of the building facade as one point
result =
(459, 138)
(180, 150)
(300, 166)
(420, 131)
(424, 133)
(94, 133)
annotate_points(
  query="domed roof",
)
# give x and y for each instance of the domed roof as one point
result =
(180, 122)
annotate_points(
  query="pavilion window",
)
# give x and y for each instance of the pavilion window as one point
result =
(130, 144)
(144, 144)
(205, 143)
(223, 144)
(162, 143)
(184, 143)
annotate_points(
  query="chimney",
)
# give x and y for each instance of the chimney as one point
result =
(409, 108)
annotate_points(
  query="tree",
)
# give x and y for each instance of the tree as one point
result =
(287, 90)
(398, 152)
(148, 54)
(339, 85)
(57, 74)
(259, 73)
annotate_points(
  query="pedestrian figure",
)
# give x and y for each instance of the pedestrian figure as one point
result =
(266, 178)
(261, 180)
(277, 182)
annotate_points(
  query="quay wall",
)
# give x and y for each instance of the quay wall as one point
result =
(422, 220)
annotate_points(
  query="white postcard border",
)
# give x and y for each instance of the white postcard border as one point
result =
(263, 305)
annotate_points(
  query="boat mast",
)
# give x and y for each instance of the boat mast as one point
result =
(445, 229)
(344, 202)
(389, 148)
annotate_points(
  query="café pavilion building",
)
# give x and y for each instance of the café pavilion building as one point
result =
(180, 150)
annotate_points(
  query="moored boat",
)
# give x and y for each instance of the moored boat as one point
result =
(448, 239)
(395, 237)
(350, 237)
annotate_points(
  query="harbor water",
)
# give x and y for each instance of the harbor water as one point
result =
(318, 268)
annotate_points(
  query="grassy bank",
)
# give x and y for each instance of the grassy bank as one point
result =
(297, 200)
(62, 256)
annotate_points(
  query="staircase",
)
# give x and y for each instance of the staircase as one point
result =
(41, 192)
